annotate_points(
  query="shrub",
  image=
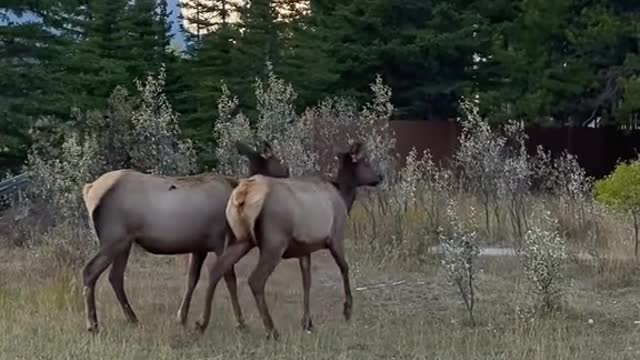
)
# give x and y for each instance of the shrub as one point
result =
(55, 196)
(494, 165)
(156, 146)
(621, 191)
(228, 129)
(290, 135)
(57, 179)
(460, 247)
(66, 155)
(543, 255)
(373, 127)
(301, 140)
(114, 129)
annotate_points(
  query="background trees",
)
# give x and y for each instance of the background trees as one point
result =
(542, 61)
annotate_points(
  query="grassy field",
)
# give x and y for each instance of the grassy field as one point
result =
(397, 314)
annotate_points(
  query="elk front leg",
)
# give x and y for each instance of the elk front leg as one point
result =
(305, 269)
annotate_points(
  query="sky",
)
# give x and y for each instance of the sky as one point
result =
(175, 21)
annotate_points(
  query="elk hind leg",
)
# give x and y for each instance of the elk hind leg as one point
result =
(90, 274)
(232, 254)
(232, 285)
(269, 259)
(195, 266)
(116, 278)
(305, 269)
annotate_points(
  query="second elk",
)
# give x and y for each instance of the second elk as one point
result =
(291, 218)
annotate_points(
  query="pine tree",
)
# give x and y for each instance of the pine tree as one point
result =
(423, 49)
(211, 59)
(258, 44)
(305, 60)
(32, 37)
(564, 62)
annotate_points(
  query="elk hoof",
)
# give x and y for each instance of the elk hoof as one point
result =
(347, 311)
(273, 334)
(200, 327)
(182, 319)
(92, 328)
(307, 326)
(242, 327)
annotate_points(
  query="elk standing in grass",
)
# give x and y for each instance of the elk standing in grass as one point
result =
(163, 215)
(291, 218)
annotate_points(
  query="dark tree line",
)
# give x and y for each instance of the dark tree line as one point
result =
(545, 61)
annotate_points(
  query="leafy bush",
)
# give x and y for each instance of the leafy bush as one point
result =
(55, 196)
(307, 142)
(278, 123)
(493, 165)
(156, 146)
(228, 129)
(141, 134)
(57, 177)
(543, 255)
(621, 191)
(114, 128)
(460, 247)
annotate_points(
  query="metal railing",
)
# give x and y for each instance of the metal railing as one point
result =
(14, 185)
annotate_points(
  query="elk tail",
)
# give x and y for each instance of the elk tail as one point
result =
(244, 207)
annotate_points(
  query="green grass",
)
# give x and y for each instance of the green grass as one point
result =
(42, 316)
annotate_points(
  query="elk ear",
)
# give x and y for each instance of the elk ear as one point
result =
(244, 149)
(267, 152)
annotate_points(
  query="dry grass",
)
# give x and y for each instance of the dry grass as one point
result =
(398, 314)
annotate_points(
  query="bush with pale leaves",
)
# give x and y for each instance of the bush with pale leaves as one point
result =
(460, 249)
(543, 256)
(156, 144)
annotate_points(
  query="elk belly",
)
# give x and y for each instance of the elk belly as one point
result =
(313, 222)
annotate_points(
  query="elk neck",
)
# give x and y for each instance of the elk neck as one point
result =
(346, 187)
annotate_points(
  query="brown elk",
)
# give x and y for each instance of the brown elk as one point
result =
(291, 218)
(163, 215)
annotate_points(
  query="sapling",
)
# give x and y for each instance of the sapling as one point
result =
(543, 257)
(460, 247)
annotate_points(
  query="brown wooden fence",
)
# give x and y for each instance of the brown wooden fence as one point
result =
(598, 149)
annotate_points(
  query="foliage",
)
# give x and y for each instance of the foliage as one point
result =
(423, 50)
(229, 129)
(543, 62)
(57, 178)
(58, 57)
(460, 248)
(494, 165)
(114, 126)
(309, 141)
(279, 124)
(621, 190)
(156, 146)
(132, 132)
(543, 257)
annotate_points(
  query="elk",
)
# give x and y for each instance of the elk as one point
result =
(166, 216)
(291, 218)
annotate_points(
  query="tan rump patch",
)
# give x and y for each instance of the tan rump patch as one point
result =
(244, 207)
(92, 193)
